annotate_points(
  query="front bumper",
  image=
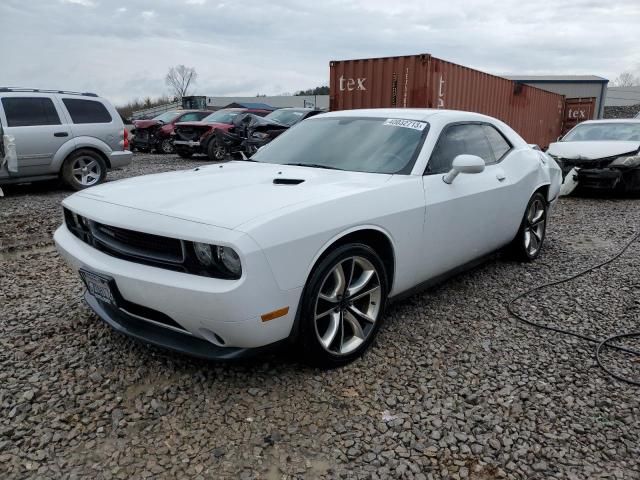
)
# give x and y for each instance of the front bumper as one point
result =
(147, 332)
(187, 143)
(120, 159)
(225, 314)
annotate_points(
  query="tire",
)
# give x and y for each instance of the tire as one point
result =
(165, 146)
(216, 152)
(83, 169)
(528, 242)
(184, 153)
(335, 330)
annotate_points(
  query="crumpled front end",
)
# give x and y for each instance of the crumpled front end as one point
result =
(617, 173)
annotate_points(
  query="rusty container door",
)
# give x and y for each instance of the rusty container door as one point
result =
(577, 110)
(423, 81)
(390, 82)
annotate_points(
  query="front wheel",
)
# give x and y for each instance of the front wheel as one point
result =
(528, 242)
(165, 146)
(215, 151)
(343, 305)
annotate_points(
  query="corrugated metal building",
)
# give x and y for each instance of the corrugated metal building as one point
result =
(622, 96)
(280, 101)
(571, 86)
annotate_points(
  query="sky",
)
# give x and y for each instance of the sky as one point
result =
(122, 50)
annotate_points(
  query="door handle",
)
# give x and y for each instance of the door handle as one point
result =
(500, 175)
(61, 134)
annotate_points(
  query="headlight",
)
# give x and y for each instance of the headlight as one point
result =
(220, 261)
(203, 253)
(630, 161)
(230, 259)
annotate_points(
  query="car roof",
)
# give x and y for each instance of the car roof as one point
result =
(423, 114)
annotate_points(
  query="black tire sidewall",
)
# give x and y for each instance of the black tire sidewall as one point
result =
(310, 346)
(67, 169)
(518, 247)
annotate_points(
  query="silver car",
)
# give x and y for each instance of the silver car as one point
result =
(47, 134)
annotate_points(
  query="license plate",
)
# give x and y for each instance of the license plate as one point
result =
(98, 286)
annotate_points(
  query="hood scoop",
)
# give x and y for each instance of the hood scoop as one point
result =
(287, 181)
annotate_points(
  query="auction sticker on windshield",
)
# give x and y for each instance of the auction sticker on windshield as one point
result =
(399, 122)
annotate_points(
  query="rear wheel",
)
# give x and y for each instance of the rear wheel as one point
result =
(83, 169)
(342, 306)
(528, 242)
(215, 151)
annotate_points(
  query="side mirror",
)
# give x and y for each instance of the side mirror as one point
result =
(464, 164)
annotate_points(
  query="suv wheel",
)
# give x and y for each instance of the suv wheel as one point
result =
(83, 169)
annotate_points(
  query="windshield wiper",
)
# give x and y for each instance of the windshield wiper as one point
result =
(312, 165)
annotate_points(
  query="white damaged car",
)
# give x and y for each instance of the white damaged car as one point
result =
(307, 241)
(600, 155)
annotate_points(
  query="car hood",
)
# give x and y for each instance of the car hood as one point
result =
(145, 123)
(231, 194)
(592, 150)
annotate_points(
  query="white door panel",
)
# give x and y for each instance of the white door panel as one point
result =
(464, 220)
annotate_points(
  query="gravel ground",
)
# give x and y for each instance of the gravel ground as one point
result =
(452, 387)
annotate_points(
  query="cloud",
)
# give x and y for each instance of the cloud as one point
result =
(286, 45)
(84, 3)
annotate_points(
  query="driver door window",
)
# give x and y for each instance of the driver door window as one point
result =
(457, 140)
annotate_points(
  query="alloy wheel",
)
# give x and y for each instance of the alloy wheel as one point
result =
(347, 305)
(166, 146)
(534, 228)
(86, 171)
(219, 152)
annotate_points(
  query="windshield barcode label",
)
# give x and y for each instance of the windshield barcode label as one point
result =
(399, 122)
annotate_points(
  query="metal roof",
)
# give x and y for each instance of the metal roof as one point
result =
(558, 78)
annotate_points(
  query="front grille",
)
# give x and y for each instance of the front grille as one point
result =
(142, 134)
(127, 244)
(138, 244)
(568, 163)
(187, 133)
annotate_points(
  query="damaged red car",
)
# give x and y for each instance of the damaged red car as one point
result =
(199, 137)
(155, 134)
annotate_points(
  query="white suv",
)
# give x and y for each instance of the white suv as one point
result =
(75, 136)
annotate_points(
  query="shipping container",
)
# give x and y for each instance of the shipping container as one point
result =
(577, 110)
(423, 81)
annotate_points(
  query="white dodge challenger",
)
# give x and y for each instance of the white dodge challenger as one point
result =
(307, 241)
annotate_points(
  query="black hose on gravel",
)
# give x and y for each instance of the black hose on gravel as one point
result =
(600, 343)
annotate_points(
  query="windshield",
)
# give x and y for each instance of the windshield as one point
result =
(221, 116)
(587, 132)
(166, 117)
(357, 144)
(285, 117)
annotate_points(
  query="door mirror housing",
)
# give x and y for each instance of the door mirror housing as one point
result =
(464, 164)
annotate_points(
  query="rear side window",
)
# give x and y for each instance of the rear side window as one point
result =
(86, 111)
(30, 111)
(457, 140)
(498, 143)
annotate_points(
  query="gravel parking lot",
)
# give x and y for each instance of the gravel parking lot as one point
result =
(452, 388)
